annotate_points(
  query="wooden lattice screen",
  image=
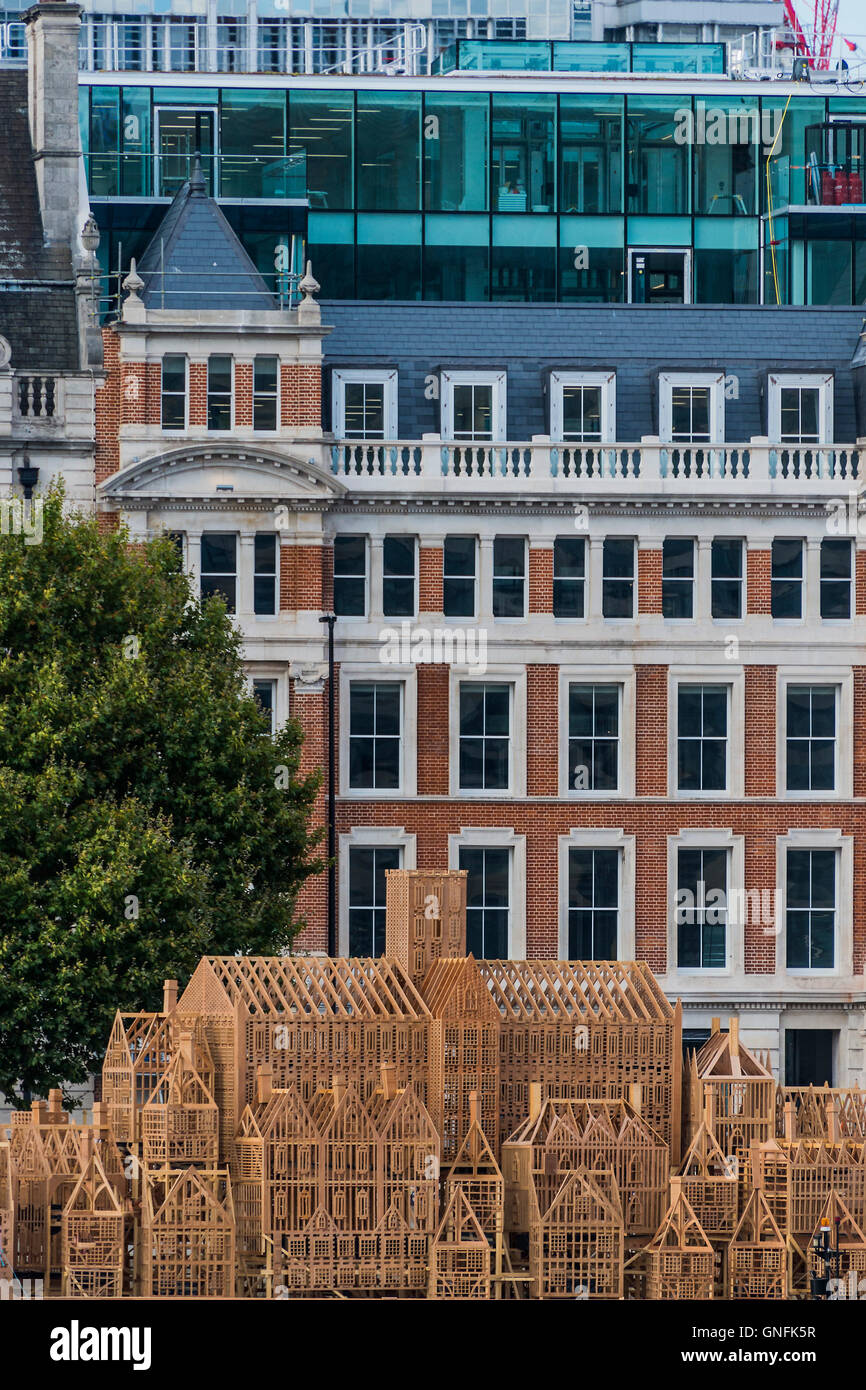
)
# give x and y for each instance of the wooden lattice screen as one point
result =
(475, 1170)
(464, 1050)
(709, 1184)
(180, 1120)
(820, 1112)
(797, 1176)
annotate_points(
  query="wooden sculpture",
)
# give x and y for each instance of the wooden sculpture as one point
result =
(821, 1112)
(308, 1019)
(460, 1252)
(464, 1049)
(180, 1119)
(576, 1245)
(738, 1089)
(798, 1175)
(187, 1242)
(590, 1030)
(757, 1254)
(560, 1135)
(679, 1260)
(7, 1213)
(93, 1232)
(475, 1170)
(425, 917)
(709, 1184)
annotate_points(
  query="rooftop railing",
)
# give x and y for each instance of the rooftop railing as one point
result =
(759, 467)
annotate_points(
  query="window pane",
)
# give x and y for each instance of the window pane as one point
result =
(569, 559)
(786, 583)
(321, 126)
(367, 890)
(388, 164)
(350, 559)
(487, 901)
(456, 152)
(727, 571)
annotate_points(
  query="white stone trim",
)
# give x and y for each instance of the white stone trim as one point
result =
(733, 676)
(843, 845)
(341, 376)
(449, 379)
(515, 677)
(842, 679)
(407, 678)
(624, 677)
(716, 382)
(607, 382)
(695, 837)
(820, 381)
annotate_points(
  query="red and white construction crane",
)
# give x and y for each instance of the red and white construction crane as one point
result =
(815, 41)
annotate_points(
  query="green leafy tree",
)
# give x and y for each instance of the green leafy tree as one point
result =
(146, 818)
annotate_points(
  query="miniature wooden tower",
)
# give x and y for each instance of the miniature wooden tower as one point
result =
(757, 1254)
(477, 1173)
(187, 1244)
(576, 1246)
(726, 1080)
(92, 1233)
(425, 917)
(460, 1254)
(709, 1183)
(180, 1120)
(680, 1259)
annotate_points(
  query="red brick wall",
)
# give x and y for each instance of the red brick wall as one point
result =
(542, 724)
(433, 759)
(649, 581)
(302, 577)
(430, 559)
(107, 410)
(198, 394)
(758, 565)
(760, 731)
(540, 581)
(651, 730)
(244, 395)
(311, 712)
(300, 395)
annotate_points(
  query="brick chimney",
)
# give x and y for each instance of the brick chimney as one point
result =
(52, 71)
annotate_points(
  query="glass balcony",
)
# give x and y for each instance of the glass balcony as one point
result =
(580, 55)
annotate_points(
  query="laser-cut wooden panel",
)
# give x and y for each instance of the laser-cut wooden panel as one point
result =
(464, 1050)
(845, 1119)
(797, 1177)
(709, 1184)
(180, 1120)
(726, 1082)
(425, 917)
(475, 1171)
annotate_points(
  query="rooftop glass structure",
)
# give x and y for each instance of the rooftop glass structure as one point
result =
(632, 187)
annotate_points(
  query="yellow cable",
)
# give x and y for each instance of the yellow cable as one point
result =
(770, 199)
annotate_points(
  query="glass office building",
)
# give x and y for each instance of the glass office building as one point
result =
(619, 186)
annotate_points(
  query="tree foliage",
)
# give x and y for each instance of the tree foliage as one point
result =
(146, 818)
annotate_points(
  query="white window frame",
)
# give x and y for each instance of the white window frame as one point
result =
(515, 677)
(735, 935)
(232, 392)
(823, 382)
(381, 675)
(733, 677)
(279, 676)
(716, 382)
(341, 376)
(185, 425)
(843, 845)
(498, 414)
(276, 429)
(624, 677)
(607, 382)
(367, 837)
(842, 678)
(582, 837)
(500, 837)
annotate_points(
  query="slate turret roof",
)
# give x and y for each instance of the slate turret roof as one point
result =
(205, 265)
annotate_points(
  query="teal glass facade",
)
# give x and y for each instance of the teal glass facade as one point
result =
(505, 195)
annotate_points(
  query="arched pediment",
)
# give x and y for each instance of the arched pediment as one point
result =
(240, 471)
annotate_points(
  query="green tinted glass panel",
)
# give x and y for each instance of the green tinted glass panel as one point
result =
(389, 156)
(253, 145)
(320, 128)
(455, 141)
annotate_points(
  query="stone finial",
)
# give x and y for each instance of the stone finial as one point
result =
(133, 306)
(197, 183)
(89, 236)
(308, 309)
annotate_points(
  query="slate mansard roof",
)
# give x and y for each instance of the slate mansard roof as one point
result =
(37, 294)
(205, 266)
(637, 341)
